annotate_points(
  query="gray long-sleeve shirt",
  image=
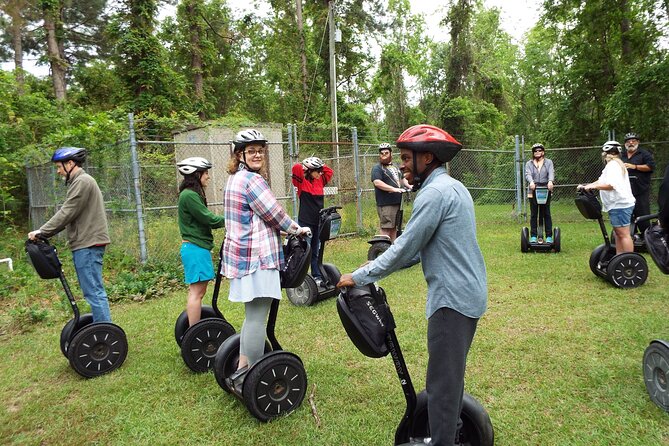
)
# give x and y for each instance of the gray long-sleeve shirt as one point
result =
(82, 213)
(441, 233)
(543, 175)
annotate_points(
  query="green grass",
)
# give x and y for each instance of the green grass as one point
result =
(556, 360)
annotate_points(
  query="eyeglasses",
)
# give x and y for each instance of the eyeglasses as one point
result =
(254, 152)
(537, 150)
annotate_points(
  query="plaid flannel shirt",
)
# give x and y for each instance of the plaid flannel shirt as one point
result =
(253, 219)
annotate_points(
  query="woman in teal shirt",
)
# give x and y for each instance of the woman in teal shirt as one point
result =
(195, 224)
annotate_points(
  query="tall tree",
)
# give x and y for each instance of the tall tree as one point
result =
(53, 27)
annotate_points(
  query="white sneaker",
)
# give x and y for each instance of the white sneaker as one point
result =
(319, 282)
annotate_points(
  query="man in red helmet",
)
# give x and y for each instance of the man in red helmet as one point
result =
(441, 234)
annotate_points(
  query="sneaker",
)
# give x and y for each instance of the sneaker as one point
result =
(235, 382)
(549, 239)
(319, 282)
(533, 239)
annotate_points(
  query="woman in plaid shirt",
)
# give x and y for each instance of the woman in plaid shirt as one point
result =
(252, 252)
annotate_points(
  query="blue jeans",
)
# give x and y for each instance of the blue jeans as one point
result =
(88, 264)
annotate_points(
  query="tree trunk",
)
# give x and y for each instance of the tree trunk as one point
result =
(303, 52)
(56, 59)
(624, 33)
(195, 31)
(14, 11)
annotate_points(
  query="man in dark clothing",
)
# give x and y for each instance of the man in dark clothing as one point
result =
(640, 165)
(663, 200)
(388, 187)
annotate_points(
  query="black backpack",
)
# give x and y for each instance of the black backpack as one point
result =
(657, 243)
(588, 204)
(44, 258)
(367, 319)
(297, 256)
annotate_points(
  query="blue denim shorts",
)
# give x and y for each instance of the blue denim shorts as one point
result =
(621, 217)
(198, 266)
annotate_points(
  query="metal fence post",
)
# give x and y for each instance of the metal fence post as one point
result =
(138, 191)
(356, 173)
(518, 175)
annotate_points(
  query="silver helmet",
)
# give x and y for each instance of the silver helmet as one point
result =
(248, 136)
(193, 164)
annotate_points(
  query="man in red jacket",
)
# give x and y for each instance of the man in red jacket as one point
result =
(310, 177)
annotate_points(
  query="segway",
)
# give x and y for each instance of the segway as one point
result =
(526, 245)
(656, 356)
(624, 270)
(380, 242)
(308, 292)
(277, 383)
(93, 348)
(200, 342)
(369, 323)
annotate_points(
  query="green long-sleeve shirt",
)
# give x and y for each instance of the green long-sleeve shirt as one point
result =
(196, 220)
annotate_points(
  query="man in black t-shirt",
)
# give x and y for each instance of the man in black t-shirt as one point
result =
(640, 165)
(389, 184)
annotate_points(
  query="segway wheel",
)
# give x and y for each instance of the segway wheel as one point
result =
(376, 249)
(476, 428)
(524, 240)
(97, 349)
(627, 270)
(181, 325)
(275, 386)
(332, 272)
(305, 294)
(69, 328)
(556, 239)
(226, 360)
(656, 373)
(201, 342)
(596, 257)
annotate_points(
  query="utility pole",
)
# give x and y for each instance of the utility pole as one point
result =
(333, 76)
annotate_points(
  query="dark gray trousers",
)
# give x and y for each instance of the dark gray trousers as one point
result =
(449, 336)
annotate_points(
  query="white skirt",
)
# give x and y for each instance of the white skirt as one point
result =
(260, 283)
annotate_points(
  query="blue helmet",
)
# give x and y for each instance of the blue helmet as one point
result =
(76, 154)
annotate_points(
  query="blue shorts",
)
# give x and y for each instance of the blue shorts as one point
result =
(198, 266)
(621, 217)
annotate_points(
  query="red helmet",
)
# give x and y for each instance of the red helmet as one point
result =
(428, 138)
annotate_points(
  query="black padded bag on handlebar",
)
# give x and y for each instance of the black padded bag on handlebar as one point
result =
(588, 204)
(44, 258)
(297, 256)
(657, 244)
(366, 318)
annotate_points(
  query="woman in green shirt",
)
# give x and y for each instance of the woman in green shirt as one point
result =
(195, 224)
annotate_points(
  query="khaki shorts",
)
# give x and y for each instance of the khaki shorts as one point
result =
(388, 215)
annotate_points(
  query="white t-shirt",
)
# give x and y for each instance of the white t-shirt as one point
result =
(620, 197)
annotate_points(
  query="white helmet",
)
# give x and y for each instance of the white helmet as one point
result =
(611, 147)
(313, 163)
(193, 164)
(248, 136)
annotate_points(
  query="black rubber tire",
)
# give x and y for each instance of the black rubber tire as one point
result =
(476, 428)
(594, 260)
(627, 270)
(275, 386)
(556, 240)
(524, 240)
(305, 294)
(97, 349)
(227, 359)
(376, 249)
(656, 373)
(66, 332)
(332, 272)
(201, 342)
(181, 325)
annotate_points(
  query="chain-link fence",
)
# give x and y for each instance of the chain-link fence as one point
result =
(139, 181)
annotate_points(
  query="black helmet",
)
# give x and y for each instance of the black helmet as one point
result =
(632, 135)
(538, 146)
(76, 154)
(248, 136)
(611, 147)
(428, 138)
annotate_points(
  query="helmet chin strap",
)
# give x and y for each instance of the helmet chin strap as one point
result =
(419, 178)
(243, 161)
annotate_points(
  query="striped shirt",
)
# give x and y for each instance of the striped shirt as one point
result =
(253, 219)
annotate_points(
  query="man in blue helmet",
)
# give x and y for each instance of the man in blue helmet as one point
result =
(83, 215)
